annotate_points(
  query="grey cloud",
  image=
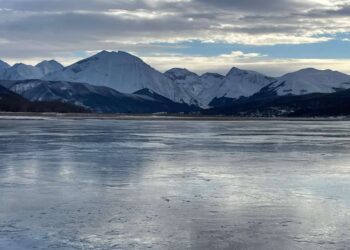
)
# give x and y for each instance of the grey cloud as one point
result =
(266, 29)
(70, 5)
(55, 26)
(341, 11)
(51, 34)
(256, 6)
(64, 5)
(77, 26)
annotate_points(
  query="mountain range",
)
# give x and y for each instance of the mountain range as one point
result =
(21, 71)
(123, 72)
(118, 82)
(309, 105)
(98, 99)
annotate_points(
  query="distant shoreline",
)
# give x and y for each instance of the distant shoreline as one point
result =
(156, 117)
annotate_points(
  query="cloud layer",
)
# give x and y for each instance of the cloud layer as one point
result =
(251, 61)
(31, 29)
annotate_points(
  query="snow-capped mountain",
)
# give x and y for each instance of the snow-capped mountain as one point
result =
(310, 80)
(127, 74)
(185, 79)
(123, 72)
(211, 79)
(95, 98)
(49, 66)
(193, 83)
(3, 66)
(237, 83)
(21, 71)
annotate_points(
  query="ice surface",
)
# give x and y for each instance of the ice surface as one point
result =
(88, 184)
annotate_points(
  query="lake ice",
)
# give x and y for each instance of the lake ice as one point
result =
(89, 184)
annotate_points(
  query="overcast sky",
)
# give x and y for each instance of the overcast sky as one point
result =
(271, 36)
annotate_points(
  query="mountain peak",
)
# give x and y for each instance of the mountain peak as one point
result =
(215, 75)
(234, 72)
(21, 65)
(21, 71)
(102, 52)
(122, 71)
(310, 80)
(4, 65)
(312, 72)
(49, 66)
(237, 71)
(113, 55)
(52, 61)
(180, 74)
(105, 53)
(109, 58)
(49, 63)
(238, 83)
(307, 71)
(180, 70)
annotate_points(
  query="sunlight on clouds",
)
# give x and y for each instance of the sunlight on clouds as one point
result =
(137, 14)
(262, 39)
(252, 61)
(218, 64)
(3, 41)
(240, 54)
(329, 3)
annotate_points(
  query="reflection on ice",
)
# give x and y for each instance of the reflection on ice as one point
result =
(174, 185)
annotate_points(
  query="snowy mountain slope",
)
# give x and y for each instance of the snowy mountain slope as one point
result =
(237, 83)
(3, 66)
(186, 79)
(310, 80)
(21, 71)
(211, 79)
(95, 98)
(123, 72)
(49, 66)
(12, 102)
(193, 83)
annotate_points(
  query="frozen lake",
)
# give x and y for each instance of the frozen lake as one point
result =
(88, 184)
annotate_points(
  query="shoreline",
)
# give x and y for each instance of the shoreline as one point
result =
(155, 117)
